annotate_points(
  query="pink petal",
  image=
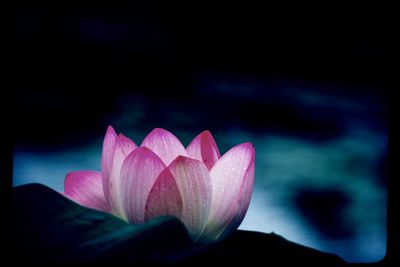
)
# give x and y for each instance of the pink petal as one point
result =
(107, 158)
(242, 204)
(166, 145)
(126, 143)
(247, 189)
(164, 197)
(115, 150)
(204, 148)
(85, 188)
(232, 184)
(139, 173)
(194, 183)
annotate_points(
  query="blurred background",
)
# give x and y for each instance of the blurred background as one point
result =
(308, 89)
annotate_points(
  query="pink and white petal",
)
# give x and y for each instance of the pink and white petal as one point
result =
(214, 231)
(240, 207)
(107, 159)
(164, 197)
(111, 178)
(204, 148)
(85, 187)
(139, 173)
(166, 145)
(194, 183)
(123, 147)
(194, 148)
(246, 190)
(126, 143)
(232, 183)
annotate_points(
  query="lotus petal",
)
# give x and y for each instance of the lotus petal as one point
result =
(204, 148)
(138, 174)
(166, 145)
(194, 183)
(85, 187)
(231, 176)
(115, 150)
(164, 197)
(210, 194)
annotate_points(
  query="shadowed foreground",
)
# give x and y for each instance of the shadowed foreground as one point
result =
(47, 227)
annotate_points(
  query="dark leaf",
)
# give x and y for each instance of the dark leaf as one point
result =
(47, 227)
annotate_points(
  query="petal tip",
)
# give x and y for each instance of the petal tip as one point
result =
(165, 144)
(73, 176)
(206, 132)
(67, 182)
(156, 133)
(143, 149)
(247, 146)
(159, 131)
(110, 129)
(110, 134)
(180, 158)
(185, 159)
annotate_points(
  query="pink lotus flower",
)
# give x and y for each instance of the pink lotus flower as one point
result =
(210, 194)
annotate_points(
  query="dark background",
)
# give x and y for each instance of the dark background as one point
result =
(190, 68)
(73, 62)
